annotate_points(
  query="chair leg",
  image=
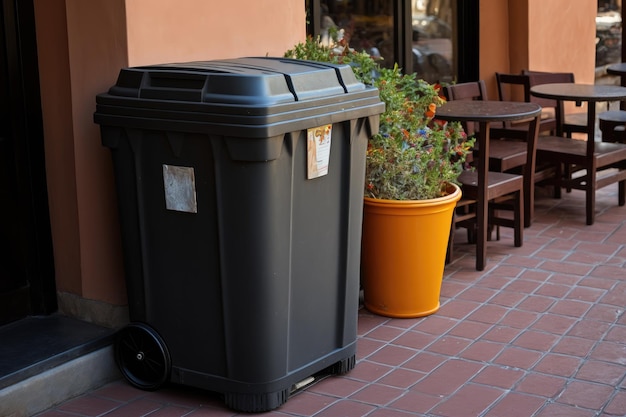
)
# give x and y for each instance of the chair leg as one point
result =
(471, 235)
(529, 199)
(590, 196)
(492, 214)
(558, 176)
(519, 219)
(567, 173)
(482, 223)
(621, 192)
(490, 226)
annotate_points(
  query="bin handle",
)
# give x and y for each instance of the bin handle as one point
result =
(165, 86)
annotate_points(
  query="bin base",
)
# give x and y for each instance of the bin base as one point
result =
(343, 366)
(260, 402)
(144, 360)
(255, 403)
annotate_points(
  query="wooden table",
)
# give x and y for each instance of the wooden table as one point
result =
(484, 113)
(580, 93)
(619, 69)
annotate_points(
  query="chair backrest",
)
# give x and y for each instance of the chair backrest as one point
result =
(513, 87)
(540, 77)
(551, 77)
(475, 90)
(517, 87)
(526, 80)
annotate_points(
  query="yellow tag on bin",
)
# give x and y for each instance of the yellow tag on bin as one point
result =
(318, 150)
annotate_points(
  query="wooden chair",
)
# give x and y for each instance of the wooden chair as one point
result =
(608, 120)
(486, 193)
(490, 190)
(503, 156)
(508, 147)
(612, 125)
(516, 87)
(570, 123)
(585, 165)
(597, 164)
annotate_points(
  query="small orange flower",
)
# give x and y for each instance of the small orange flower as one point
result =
(430, 113)
(439, 90)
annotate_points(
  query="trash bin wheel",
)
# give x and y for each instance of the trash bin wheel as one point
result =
(142, 356)
(343, 366)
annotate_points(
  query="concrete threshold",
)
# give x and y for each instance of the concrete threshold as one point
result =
(47, 360)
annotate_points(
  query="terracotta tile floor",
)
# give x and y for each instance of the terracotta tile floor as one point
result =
(541, 332)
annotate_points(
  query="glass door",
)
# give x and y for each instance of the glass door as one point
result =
(437, 39)
(608, 33)
(432, 49)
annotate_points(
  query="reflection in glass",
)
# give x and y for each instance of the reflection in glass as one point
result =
(368, 25)
(608, 33)
(365, 25)
(432, 51)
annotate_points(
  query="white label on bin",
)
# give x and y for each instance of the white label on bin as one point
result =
(180, 189)
(318, 150)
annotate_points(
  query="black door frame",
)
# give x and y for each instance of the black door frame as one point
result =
(33, 242)
(468, 40)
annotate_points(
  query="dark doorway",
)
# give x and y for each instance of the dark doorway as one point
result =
(26, 260)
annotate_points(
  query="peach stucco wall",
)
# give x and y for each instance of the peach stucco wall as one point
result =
(554, 35)
(97, 48)
(562, 36)
(493, 41)
(82, 46)
(177, 31)
(61, 174)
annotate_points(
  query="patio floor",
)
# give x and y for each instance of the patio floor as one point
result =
(541, 332)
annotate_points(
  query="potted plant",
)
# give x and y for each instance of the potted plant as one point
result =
(412, 166)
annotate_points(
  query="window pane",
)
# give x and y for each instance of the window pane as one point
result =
(608, 33)
(367, 25)
(432, 50)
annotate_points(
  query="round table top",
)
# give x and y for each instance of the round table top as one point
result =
(617, 69)
(579, 92)
(486, 111)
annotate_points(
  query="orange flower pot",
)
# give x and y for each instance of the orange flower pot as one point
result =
(404, 252)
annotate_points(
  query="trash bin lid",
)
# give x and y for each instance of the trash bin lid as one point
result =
(268, 94)
(244, 81)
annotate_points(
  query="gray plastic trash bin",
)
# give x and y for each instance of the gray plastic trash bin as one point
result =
(240, 188)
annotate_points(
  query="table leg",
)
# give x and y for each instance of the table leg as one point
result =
(590, 191)
(482, 209)
(622, 103)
